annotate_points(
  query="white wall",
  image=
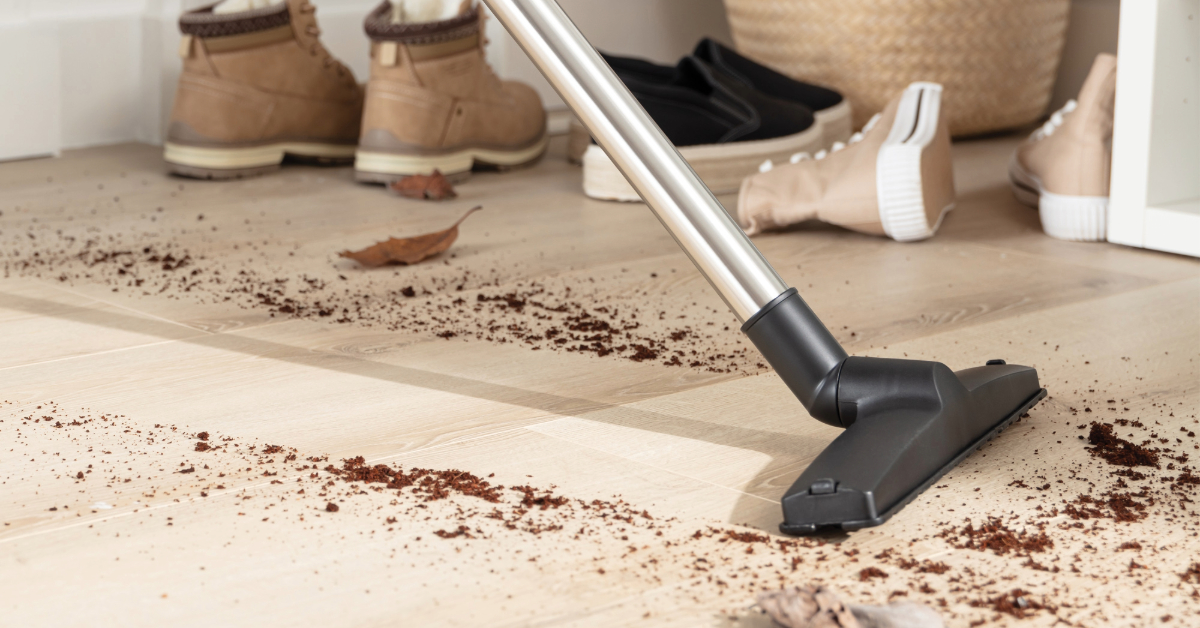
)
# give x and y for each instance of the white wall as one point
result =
(77, 73)
(659, 30)
(1092, 29)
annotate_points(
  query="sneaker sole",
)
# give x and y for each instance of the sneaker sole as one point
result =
(375, 167)
(1076, 218)
(912, 171)
(836, 122)
(203, 162)
(721, 166)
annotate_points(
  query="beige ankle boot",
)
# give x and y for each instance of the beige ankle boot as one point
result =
(434, 103)
(895, 178)
(1063, 169)
(258, 85)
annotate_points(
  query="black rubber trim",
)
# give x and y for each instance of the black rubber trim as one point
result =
(767, 308)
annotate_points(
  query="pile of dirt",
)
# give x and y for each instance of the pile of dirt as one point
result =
(993, 535)
(1118, 451)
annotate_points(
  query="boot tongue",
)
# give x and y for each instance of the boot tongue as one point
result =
(238, 6)
(425, 11)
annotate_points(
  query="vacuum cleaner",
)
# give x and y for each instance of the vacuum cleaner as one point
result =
(907, 422)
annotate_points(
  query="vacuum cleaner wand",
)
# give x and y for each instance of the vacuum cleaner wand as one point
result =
(908, 422)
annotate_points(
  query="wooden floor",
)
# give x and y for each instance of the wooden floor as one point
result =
(100, 528)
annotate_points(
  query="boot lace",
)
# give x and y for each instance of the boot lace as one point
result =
(1055, 121)
(769, 165)
(315, 48)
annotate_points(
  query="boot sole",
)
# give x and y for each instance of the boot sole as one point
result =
(721, 166)
(1076, 218)
(376, 167)
(913, 173)
(202, 162)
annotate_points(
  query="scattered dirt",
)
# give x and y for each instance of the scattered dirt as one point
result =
(1060, 544)
(1018, 603)
(448, 301)
(471, 510)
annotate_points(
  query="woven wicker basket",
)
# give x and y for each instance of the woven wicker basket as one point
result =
(997, 59)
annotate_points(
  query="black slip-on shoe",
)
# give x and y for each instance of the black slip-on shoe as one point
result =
(831, 109)
(722, 127)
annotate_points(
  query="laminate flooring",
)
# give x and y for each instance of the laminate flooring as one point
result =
(139, 310)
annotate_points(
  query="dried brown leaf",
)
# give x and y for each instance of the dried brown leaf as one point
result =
(408, 250)
(807, 607)
(432, 187)
(819, 607)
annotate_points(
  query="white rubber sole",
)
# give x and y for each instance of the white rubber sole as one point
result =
(375, 165)
(1075, 218)
(251, 157)
(898, 173)
(721, 166)
(836, 124)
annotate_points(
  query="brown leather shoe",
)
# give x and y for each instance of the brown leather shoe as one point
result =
(1063, 169)
(258, 85)
(434, 103)
(895, 178)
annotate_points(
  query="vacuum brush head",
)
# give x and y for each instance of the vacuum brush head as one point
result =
(907, 422)
(910, 423)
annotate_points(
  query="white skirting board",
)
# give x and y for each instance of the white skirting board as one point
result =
(1155, 197)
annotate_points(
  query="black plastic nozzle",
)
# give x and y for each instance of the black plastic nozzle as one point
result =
(802, 351)
(908, 421)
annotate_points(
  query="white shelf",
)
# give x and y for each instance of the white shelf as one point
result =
(1155, 196)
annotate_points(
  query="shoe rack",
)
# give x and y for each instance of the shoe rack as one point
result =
(1155, 193)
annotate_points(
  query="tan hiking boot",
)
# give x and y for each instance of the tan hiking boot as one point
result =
(1063, 169)
(258, 85)
(433, 102)
(895, 178)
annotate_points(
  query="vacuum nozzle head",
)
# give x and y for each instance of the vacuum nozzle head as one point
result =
(910, 422)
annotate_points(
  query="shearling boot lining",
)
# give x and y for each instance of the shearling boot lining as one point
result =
(206, 24)
(379, 27)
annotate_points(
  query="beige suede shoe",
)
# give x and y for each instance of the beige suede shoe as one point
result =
(434, 103)
(895, 178)
(258, 85)
(1063, 169)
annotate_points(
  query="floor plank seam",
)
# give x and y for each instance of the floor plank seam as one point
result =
(659, 468)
